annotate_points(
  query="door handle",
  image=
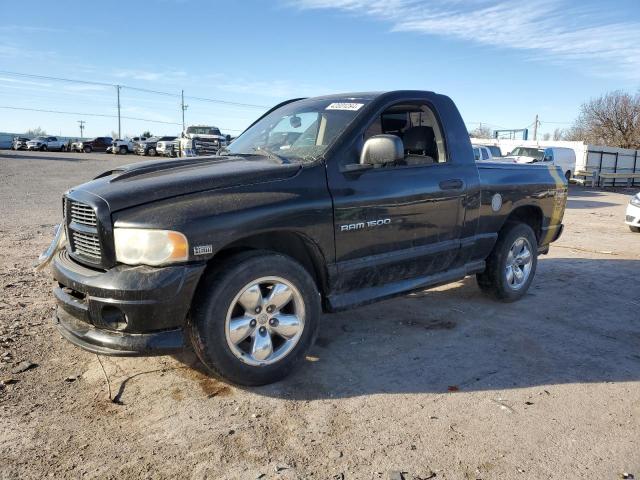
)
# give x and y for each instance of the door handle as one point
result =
(453, 184)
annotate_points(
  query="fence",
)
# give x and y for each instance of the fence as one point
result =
(611, 160)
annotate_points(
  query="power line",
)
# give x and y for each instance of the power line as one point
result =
(137, 89)
(86, 114)
(101, 115)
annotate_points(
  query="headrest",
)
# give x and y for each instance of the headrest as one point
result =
(419, 139)
(393, 124)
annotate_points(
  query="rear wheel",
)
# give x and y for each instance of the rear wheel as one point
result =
(123, 150)
(255, 317)
(634, 229)
(152, 152)
(512, 264)
(63, 148)
(43, 148)
(87, 149)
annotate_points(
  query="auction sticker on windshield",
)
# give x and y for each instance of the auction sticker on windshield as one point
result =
(345, 106)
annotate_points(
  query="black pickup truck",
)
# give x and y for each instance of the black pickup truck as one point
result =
(322, 204)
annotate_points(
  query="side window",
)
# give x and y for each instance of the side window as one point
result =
(418, 128)
(548, 155)
(485, 154)
(476, 153)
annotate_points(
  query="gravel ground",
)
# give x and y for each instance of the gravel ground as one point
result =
(443, 384)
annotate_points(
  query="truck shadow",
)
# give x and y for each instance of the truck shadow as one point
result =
(579, 324)
(52, 156)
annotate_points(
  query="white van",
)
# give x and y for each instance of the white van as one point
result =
(564, 158)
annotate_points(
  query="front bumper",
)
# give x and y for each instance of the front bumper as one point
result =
(126, 310)
(632, 217)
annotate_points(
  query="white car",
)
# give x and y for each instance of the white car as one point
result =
(46, 143)
(167, 148)
(125, 146)
(633, 214)
(565, 158)
(482, 153)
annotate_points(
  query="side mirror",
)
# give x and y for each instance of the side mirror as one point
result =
(381, 149)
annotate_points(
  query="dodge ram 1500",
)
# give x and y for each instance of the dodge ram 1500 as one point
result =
(322, 204)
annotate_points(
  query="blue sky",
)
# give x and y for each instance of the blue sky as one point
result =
(501, 61)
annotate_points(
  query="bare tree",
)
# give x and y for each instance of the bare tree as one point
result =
(481, 132)
(34, 132)
(558, 134)
(546, 137)
(613, 120)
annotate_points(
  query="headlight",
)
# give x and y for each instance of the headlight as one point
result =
(635, 200)
(136, 246)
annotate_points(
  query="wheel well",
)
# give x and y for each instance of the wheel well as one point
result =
(294, 245)
(530, 215)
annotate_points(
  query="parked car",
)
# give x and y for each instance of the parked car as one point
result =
(19, 143)
(43, 144)
(321, 204)
(565, 158)
(167, 148)
(127, 145)
(481, 153)
(98, 144)
(201, 140)
(495, 150)
(148, 146)
(633, 213)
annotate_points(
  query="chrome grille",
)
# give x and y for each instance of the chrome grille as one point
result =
(83, 214)
(87, 244)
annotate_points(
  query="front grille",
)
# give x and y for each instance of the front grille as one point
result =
(82, 232)
(87, 244)
(83, 214)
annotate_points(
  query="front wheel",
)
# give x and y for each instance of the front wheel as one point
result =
(87, 149)
(152, 152)
(43, 148)
(123, 150)
(63, 148)
(512, 264)
(254, 317)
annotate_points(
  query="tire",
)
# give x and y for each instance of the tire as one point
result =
(218, 301)
(43, 148)
(123, 150)
(634, 229)
(87, 149)
(495, 280)
(63, 148)
(152, 152)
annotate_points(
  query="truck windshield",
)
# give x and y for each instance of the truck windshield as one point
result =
(300, 131)
(528, 152)
(203, 131)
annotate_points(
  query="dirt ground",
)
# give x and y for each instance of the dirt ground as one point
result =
(444, 384)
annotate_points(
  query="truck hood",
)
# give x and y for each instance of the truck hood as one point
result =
(145, 182)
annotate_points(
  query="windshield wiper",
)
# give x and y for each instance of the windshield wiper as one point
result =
(271, 155)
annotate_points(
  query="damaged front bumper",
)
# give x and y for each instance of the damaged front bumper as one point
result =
(124, 311)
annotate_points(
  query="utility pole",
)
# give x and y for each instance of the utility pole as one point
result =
(183, 107)
(535, 129)
(81, 122)
(119, 128)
